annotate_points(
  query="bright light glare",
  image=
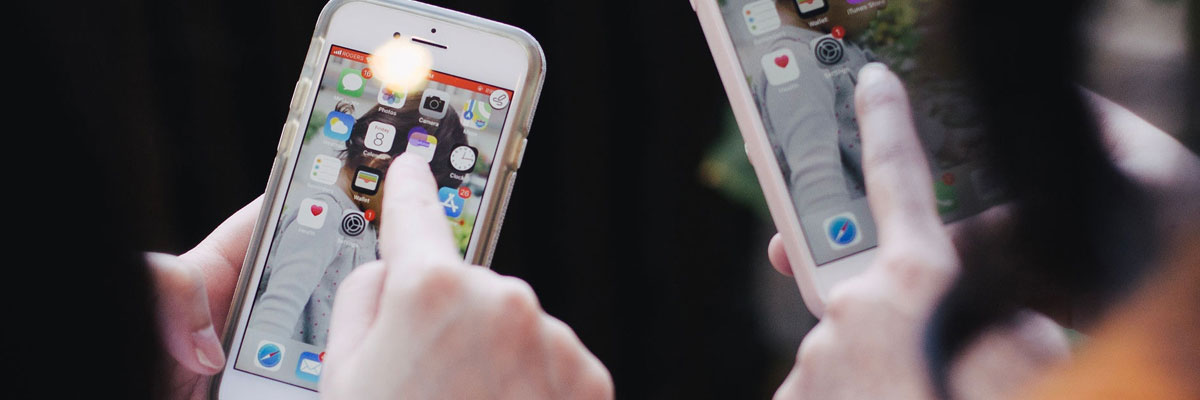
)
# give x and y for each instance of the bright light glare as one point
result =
(401, 65)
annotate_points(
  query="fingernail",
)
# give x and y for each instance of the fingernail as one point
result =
(871, 74)
(208, 348)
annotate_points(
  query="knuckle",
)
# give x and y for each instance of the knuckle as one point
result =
(361, 277)
(814, 349)
(564, 348)
(597, 384)
(839, 304)
(1039, 337)
(875, 97)
(884, 153)
(846, 299)
(517, 295)
(517, 309)
(916, 269)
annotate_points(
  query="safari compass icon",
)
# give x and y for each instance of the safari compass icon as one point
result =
(270, 355)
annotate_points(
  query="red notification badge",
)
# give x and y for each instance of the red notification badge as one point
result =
(838, 33)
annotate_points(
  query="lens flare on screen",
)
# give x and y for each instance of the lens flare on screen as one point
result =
(401, 65)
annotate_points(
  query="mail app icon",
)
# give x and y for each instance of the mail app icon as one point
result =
(309, 368)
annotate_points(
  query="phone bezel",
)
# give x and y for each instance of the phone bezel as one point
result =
(814, 282)
(364, 26)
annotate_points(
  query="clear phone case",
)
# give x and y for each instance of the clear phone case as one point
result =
(491, 218)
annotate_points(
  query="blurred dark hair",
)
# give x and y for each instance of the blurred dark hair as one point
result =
(1080, 230)
(449, 134)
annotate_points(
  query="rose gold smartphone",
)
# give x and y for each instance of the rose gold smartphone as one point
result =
(789, 68)
(381, 78)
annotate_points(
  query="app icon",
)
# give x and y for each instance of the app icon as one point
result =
(462, 158)
(944, 193)
(421, 143)
(354, 223)
(812, 8)
(312, 213)
(499, 99)
(351, 82)
(338, 126)
(309, 367)
(389, 98)
(780, 67)
(476, 114)
(842, 231)
(433, 103)
(270, 355)
(761, 17)
(325, 169)
(451, 201)
(380, 136)
(366, 180)
(828, 49)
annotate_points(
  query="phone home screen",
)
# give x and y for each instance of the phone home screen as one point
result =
(332, 210)
(801, 59)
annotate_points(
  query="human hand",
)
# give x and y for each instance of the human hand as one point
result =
(869, 343)
(421, 324)
(1168, 171)
(194, 292)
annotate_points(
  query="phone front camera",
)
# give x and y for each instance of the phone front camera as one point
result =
(434, 30)
(396, 35)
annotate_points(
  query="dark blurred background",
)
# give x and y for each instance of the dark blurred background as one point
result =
(635, 217)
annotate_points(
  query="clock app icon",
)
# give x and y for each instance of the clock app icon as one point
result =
(462, 159)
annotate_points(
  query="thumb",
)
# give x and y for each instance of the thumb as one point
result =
(184, 320)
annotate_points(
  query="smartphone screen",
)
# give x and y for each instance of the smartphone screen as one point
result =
(801, 59)
(333, 205)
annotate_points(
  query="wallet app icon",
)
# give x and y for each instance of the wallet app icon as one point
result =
(309, 368)
(366, 180)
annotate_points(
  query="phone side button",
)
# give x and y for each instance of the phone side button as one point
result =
(285, 139)
(299, 93)
(521, 153)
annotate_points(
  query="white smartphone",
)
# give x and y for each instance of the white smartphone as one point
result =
(789, 68)
(466, 108)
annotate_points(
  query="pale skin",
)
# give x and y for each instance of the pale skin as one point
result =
(868, 344)
(477, 334)
(472, 332)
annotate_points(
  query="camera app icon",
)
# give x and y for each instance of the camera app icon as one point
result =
(433, 103)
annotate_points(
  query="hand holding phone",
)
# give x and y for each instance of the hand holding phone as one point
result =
(789, 68)
(869, 344)
(383, 80)
(421, 323)
(193, 294)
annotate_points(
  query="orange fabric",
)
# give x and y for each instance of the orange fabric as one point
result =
(1148, 348)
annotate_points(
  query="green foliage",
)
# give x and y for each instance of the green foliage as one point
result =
(893, 34)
